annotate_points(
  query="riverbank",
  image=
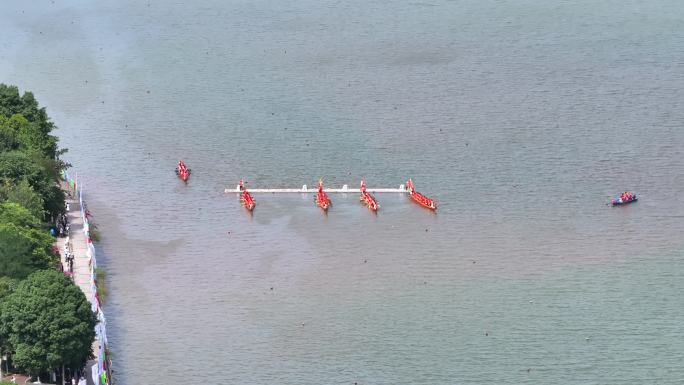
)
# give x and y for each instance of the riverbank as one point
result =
(80, 245)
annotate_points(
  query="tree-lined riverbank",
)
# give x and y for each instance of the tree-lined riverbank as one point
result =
(47, 322)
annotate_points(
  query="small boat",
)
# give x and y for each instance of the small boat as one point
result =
(420, 198)
(624, 198)
(245, 198)
(322, 199)
(367, 199)
(182, 171)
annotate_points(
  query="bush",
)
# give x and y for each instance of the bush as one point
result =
(102, 291)
(48, 322)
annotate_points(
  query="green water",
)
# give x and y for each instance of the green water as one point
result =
(521, 118)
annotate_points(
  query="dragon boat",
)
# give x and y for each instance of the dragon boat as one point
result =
(367, 199)
(322, 199)
(245, 198)
(182, 171)
(420, 198)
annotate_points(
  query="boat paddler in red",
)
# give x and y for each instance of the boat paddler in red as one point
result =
(367, 199)
(420, 198)
(322, 199)
(245, 198)
(624, 198)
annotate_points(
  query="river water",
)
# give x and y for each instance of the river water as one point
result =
(522, 118)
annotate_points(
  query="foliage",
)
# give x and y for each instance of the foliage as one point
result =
(18, 215)
(8, 136)
(18, 166)
(94, 232)
(28, 152)
(35, 133)
(23, 194)
(45, 320)
(102, 291)
(24, 250)
(7, 286)
(54, 201)
(48, 323)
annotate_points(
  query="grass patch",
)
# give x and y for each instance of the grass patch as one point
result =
(94, 232)
(102, 291)
(109, 354)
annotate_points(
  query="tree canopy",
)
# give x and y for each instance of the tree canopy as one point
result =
(31, 122)
(7, 286)
(24, 250)
(18, 166)
(47, 321)
(29, 154)
(23, 194)
(18, 215)
(29, 193)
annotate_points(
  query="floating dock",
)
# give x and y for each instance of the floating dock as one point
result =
(306, 190)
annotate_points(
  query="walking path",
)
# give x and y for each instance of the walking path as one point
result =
(78, 244)
(18, 379)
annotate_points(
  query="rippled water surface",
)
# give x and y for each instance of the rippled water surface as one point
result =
(522, 118)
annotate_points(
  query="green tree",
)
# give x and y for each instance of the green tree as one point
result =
(10, 100)
(54, 201)
(16, 214)
(40, 174)
(16, 166)
(11, 103)
(7, 285)
(29, 152)
(8, 135)
(24, 250)
(48, 323)
(20, 133)
(23, 194)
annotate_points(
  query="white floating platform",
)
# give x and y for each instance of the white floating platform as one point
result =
(306, 190)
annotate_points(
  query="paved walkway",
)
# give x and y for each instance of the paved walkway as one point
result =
(19, 379)
(78, 246)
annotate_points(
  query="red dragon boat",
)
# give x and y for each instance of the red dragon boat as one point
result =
(367, 199)
(245, 198)
(322, 199)
(182, 171)
(420, 198)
